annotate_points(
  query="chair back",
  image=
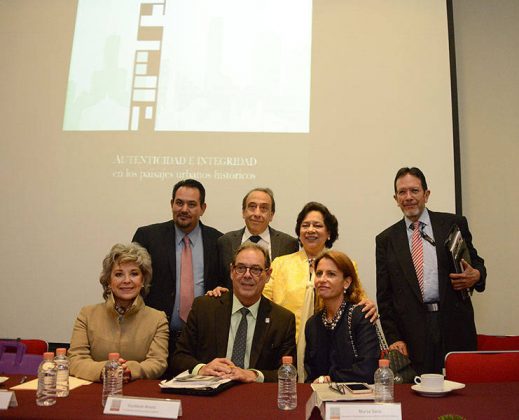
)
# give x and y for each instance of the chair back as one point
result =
(18, 362)
(482, 366)
(35, 346)
(498, 342)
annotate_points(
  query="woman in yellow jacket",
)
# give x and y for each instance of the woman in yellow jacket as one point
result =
(291, 283)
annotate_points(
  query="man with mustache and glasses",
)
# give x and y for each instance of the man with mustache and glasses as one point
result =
(258, 208)
(240, 335)
(184, 256)
(425, 309)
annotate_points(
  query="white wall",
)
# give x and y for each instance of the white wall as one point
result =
(487, 50)
(53, 236)
(380, 82)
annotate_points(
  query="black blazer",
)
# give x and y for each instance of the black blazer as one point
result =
(399, 299)
(330, 352)
(206, 334)
(159, 240)
(280, 244)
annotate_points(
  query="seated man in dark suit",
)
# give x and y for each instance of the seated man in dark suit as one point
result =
(258, 208)
(241, 335)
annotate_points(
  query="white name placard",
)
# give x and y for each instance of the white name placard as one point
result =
(144, 407)
(7, 399)
(365, 411)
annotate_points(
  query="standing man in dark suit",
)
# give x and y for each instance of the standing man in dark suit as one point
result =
(258, 208)
(425, 311)
(181, 272)
(240, 335)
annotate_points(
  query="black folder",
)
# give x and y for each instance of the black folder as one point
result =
(203, 392)
(457, 250)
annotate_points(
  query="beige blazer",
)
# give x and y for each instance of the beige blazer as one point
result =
(140, 336)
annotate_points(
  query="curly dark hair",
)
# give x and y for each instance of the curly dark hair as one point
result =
(330, 221)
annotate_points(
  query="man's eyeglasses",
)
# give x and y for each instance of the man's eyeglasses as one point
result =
(413, 191)
(340, 388)
(255, 270)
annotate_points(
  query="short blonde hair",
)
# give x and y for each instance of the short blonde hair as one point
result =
(122, 253)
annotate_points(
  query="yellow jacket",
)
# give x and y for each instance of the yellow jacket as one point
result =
(288, 282)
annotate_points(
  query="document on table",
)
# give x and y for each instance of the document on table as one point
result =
(189, 381)
(73, 383)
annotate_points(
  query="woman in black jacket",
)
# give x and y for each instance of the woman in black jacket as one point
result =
(341, 344)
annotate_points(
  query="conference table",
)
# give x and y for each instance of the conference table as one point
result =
(258, 401)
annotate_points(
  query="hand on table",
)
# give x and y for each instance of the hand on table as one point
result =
(217, 367)
(127, 373)
(322, 380)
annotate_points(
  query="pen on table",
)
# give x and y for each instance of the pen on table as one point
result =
(24, 378)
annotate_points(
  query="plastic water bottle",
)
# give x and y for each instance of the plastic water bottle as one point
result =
(384, 382)
(287, 387)
(62, 363)
(47, 372)
(112, 378)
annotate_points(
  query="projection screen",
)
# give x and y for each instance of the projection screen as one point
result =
(106, 104)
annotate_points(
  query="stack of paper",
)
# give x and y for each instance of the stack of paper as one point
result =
(187, 380)
(73, 383)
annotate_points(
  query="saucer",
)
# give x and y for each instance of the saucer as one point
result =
(3, 379)
(448, 386)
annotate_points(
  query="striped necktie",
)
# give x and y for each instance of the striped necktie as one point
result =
(417, 254)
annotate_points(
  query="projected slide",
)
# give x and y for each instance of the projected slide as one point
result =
(106, 104)
(190, 65)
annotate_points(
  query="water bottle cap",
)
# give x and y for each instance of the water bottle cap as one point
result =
(287, 360)
(48, 355)
(113, 356)
(383, 363)
(62, 351)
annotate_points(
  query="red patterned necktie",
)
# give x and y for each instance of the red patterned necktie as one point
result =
(417, 253)
(187, 282)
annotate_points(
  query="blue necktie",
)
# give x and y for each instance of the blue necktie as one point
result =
(255, 238)
(240, 340)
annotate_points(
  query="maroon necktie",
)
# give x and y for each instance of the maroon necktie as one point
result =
(417, 253)
(187, 282)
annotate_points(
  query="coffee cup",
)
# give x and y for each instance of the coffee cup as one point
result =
(430, 381)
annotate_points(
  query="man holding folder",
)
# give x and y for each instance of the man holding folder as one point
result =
(424, 310)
